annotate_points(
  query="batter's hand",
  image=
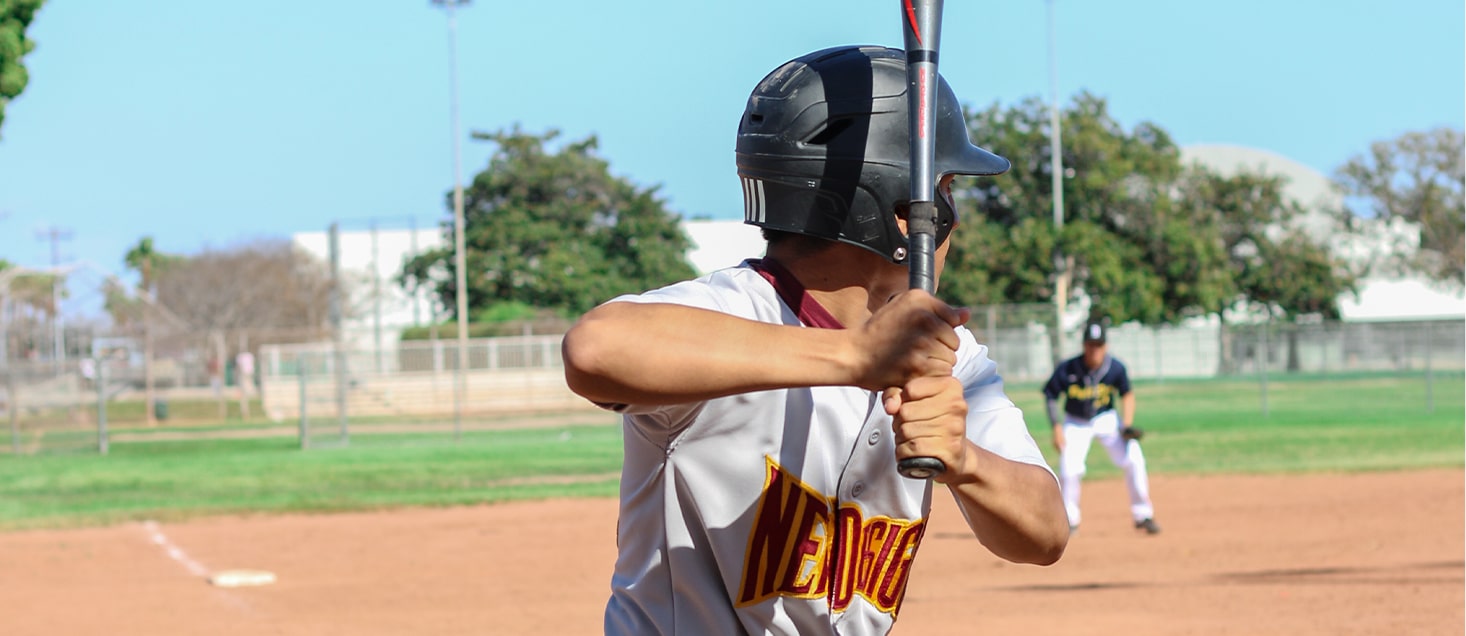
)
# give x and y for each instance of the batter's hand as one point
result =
(929, 419)
(912, 336)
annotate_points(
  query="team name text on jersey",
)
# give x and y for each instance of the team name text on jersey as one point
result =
(795, 536)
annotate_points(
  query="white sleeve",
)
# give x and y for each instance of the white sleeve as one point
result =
(687, 293)
(993, 421)
(720, 292)
(736, 291)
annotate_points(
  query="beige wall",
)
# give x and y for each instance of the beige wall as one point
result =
(489, 392)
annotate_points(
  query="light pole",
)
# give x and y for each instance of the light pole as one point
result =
(1056, 168)
(460, 266)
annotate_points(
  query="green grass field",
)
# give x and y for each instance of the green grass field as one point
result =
(1313, 424)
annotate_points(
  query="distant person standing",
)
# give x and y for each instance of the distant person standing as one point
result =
(244, 368)
(216, 376)
(244, 376)
(1090, 384)
(88, 369)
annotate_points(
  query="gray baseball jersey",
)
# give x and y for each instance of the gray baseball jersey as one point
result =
(779, 511)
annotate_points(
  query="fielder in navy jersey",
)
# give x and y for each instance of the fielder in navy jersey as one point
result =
(1099, 404)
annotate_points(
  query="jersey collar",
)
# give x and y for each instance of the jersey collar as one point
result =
(792, 292)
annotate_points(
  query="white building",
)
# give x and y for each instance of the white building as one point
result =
(719, 244)
(378, 308)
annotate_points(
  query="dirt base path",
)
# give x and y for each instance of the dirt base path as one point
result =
(1378, 553)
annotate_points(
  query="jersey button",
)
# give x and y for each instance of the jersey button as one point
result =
(875, 436)
(858, 489)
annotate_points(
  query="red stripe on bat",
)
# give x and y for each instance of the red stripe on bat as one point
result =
(911, 15)
(922, 126)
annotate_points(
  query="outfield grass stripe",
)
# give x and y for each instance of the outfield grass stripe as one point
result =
(1339, 425)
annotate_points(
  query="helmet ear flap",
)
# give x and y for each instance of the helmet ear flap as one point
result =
(946, 216)
(779, 202)
(946, 221)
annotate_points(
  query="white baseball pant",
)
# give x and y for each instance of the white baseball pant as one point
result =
(1126, 454)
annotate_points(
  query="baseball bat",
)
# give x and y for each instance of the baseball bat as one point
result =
(923, 34)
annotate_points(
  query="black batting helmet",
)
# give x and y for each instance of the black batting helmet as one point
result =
(823, 149)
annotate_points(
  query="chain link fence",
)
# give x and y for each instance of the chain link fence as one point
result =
(418, 386)
(325, 389)
(1021, 339)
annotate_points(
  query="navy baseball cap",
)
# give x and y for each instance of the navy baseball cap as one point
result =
(1094, 332)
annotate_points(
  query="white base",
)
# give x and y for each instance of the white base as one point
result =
(242, 578)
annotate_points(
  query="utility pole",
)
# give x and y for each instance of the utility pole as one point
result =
(1056, 168)
(376, 300)
(416, 295)
(55, 235)
(460, 265)
(150, 394)
(337, 337)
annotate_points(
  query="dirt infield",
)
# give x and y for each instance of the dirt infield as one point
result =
(1378, 553)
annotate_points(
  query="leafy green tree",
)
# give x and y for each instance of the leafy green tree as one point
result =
(1277, 269)
(1180, 239)
(29, 298)
(993, 264)
(30, 291)
(149, 264)
(1114, 272)
(1114, 178)
(1147, 238)
(554, 230)
(1419, 178)
(15, 16)
(1301, 278)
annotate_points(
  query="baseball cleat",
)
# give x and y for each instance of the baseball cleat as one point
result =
(1148, 525)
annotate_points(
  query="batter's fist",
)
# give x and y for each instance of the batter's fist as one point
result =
(929, 419)
(912, 336)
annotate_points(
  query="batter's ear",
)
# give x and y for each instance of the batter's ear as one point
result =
(901, 219)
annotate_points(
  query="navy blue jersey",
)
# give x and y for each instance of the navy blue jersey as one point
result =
(1088, 393)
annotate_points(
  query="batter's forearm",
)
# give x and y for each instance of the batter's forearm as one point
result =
(654, 354)
(1127, 403)
(1013, 508)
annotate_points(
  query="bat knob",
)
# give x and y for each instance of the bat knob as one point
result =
(920, 467)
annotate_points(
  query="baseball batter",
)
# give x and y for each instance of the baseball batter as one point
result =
(766, 405)
(1090, 384)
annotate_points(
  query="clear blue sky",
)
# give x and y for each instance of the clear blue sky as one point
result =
(208, 123)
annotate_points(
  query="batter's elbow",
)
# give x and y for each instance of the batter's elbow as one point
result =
(1049, 553)
(584, 354)
(1039, 551)
(1048, 543)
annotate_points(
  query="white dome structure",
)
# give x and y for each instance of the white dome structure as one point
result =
(1313, 191)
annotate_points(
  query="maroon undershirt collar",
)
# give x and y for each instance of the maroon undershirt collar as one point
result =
(794, 295)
